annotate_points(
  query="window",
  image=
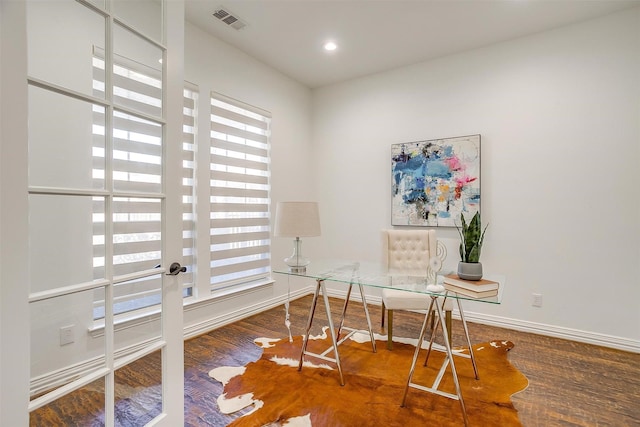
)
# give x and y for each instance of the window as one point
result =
(137, 167)
(189, 132)
(239, 213)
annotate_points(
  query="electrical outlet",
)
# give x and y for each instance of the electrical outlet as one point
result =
(66, 335)
(537, 300)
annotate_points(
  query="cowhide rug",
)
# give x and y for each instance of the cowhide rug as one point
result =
(374, 385)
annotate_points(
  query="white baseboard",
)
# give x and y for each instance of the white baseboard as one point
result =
(603, 340)
(60, 377)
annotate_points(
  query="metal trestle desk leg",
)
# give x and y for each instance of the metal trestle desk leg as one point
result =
(366, 313)
(448, 360)
(335, 335)
(466, 333)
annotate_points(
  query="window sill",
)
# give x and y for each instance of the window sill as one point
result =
(244, 288)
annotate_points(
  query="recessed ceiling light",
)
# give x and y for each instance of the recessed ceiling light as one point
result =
(330, 46)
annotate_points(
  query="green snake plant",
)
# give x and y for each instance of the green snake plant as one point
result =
(471, 238)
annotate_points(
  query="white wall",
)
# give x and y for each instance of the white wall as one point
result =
(559, 117)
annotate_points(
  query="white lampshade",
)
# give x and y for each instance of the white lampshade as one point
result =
(297, 219)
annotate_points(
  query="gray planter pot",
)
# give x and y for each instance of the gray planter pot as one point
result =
(470, 270)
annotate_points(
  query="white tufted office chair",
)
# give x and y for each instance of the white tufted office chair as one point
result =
(407, 253)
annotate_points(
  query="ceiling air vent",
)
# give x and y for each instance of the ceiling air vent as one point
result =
(229, 18)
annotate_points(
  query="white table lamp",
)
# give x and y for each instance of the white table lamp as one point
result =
(297, 219)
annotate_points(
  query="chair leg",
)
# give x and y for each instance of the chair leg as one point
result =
(390, 330)
(449, 322)
(433, 318)
(383, 311)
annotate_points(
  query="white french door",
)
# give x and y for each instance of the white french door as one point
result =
(104, 167)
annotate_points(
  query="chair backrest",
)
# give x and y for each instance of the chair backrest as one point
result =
(407, 252)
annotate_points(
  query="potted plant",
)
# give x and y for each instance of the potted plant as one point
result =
(471, 238)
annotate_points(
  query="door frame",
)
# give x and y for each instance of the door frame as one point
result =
(172, 302)
(14, 276)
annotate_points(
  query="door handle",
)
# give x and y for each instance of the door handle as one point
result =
(176, 269)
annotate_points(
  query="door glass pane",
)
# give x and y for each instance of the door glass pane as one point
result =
(61, 36)
(138, 294)
(62, 348)
(63, 247)
(66, 141)
(144, 296)
(137, 154)
(137, 73)
(139, 391)
(82, 407)
(137, 237)
(143, 15)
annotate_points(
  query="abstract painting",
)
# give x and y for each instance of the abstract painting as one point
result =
(434, 181)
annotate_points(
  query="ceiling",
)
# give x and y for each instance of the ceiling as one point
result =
(379, 35)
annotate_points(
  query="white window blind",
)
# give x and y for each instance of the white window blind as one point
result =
(240, 217)
(189, 132)
(137, 167)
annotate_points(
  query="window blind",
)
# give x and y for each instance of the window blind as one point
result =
(239, 213)
(189, 133)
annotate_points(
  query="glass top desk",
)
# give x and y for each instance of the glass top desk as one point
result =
(376, 275)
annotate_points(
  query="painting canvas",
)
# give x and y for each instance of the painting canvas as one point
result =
(434, 181)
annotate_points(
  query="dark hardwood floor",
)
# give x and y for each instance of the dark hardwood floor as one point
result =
(570, 384)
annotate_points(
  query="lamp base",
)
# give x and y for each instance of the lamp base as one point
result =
(298, 270)
(296, 262)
